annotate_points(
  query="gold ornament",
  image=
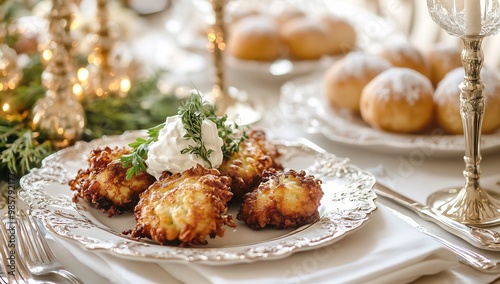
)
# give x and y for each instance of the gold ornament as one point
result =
(59, 115)
(61, 17)
(10, 73)
(103, 75)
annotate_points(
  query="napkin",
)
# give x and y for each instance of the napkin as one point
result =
(384, 250)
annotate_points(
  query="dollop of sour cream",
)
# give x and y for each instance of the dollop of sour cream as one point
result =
(165, 154)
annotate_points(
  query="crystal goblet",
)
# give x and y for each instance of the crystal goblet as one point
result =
(471, 20)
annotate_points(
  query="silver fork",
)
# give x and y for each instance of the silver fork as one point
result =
(34, 248)
(12, 266)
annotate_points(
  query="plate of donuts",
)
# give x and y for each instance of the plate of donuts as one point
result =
(297, 37)
(394, 109)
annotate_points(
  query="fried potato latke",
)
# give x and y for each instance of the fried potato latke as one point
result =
(104, 182)
(245, 167)
(184, 207)
(283, 200)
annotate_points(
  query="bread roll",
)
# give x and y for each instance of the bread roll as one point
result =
(398, 100)
(305, 38)
(405, 55)
(447, 101)
(255, 38)
(342, 36)
(442, 59)
(285, 13)
(345, 80)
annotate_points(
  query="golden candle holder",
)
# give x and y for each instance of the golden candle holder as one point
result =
(60, 18)
(102, 76)
(59, 115)
(471, 20)
(10, 73)
(229, 101)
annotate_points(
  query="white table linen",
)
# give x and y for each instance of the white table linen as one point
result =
(385, 250)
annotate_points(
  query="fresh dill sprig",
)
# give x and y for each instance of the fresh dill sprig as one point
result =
(232, 135)
(192, 114)
(135, 160)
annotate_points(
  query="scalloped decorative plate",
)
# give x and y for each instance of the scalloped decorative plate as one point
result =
(302, 100)
(346, 206)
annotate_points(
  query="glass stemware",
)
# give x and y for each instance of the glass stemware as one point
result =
(471, 20)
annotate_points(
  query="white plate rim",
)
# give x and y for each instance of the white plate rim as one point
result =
(302, 99)
(347, 209)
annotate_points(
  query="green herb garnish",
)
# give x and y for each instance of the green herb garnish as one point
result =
(192, 113)
(192, 116)
(135, 159)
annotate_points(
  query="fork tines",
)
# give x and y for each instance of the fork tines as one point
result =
(34, 248)
(12, 265)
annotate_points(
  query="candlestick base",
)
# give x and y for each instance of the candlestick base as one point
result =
(469, 205)
(235, 105)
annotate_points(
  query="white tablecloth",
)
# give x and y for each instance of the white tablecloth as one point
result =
(385, 250)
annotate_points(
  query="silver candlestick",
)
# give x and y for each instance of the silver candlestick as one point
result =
(471, 20)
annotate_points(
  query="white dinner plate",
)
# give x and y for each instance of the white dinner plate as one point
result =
(302, 100)
(346, 206)
(280, 67)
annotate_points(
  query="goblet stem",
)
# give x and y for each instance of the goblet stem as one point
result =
(471, 204)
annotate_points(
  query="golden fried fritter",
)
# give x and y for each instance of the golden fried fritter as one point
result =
(283, 200)
(186, 207)
(245, 167)
(104, 182)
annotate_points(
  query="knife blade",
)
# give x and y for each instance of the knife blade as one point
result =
(479, 237)
(464, 255)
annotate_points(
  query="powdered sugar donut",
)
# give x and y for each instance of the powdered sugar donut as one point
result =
(447, 101)
(405, 55)
(398, 100)
(306, 38)
(442, 59)
(286, 12)
(255, 38)
(345, 79)
(342, 36)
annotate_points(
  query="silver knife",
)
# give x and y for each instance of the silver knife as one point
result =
(464, 255)
(479, 237)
